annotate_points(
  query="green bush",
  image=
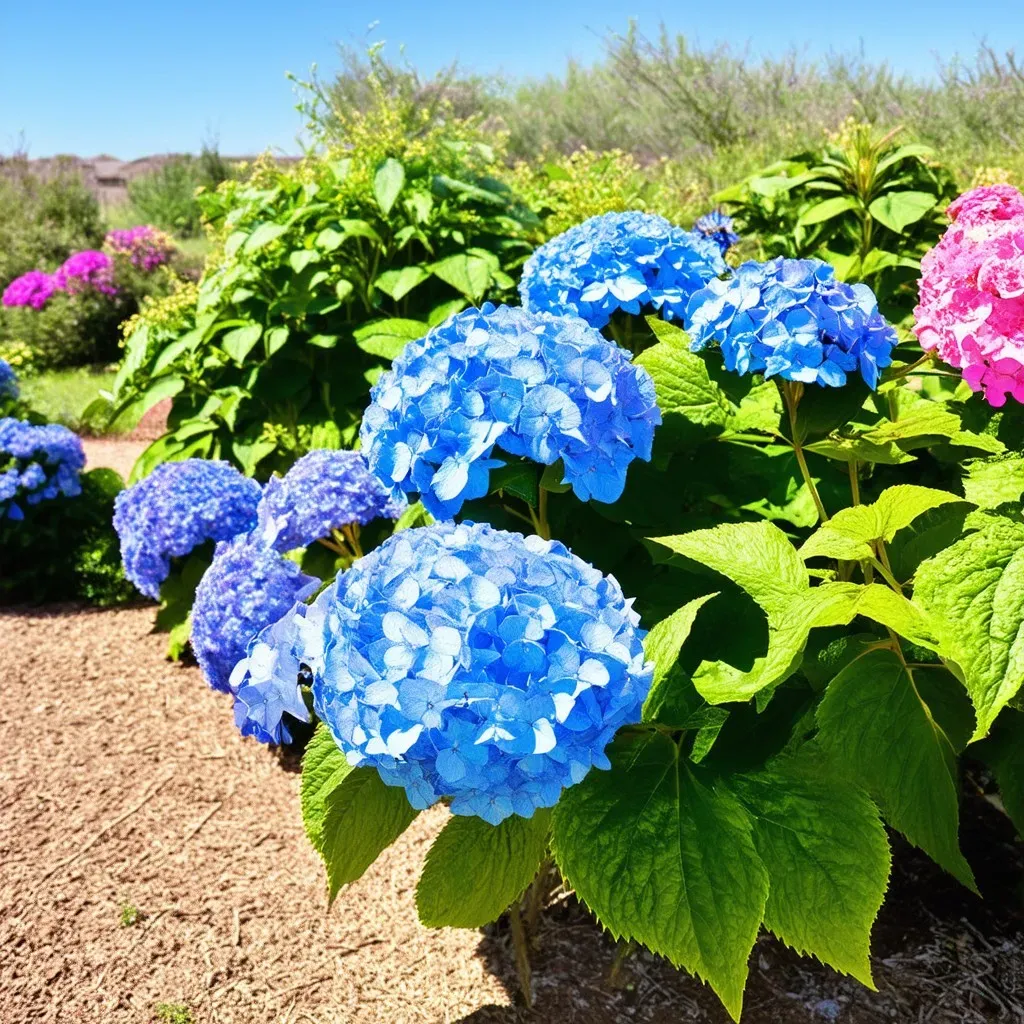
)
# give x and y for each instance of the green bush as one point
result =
(324, 271)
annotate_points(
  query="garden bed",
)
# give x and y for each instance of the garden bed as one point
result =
(124, 785)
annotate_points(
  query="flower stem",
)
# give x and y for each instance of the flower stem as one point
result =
(351, 532)
(854, 467)
(522, 954)
(791, 394)
(541, 524)
(909, 368)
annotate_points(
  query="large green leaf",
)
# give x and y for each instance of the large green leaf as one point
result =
(387, 184)
(398, 283)
(665, 640)
(1003, 752)
(263, 235)
(241, 341)
(386, 338)
(362, 817)
(468, 275)
(474, 870)
(661, 858)
(873, 721)
(827, 209)
(991, 482)
(324, 768)
(849, 533)
(827, 857)
(898, 210)
(974, 593)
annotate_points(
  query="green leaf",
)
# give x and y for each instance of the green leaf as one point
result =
(301, 258)
(553, 478)
(826, 210)
(853, 449)
(849, 533)
(991, 482)
(974, 593)
(387, 184)
(263, 235)
(902, 153)
(324, 768)
(898, 210)
(468, 275)
(398, 283)
(413, 516)
(519, 479)
(386, 338)
(362, 817)
(661, 858)
(1003, 752)
(827, 857)
(662, 646)
(323, 340)
(874, 723)
(241, 341)
(474, 870)
(274, 340)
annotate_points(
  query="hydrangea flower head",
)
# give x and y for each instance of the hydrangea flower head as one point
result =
(629, 261)
(971, 294)
(323, 491)
(466, 662)
(37, 463)
(175, 509)
(535, 385)
(32, 289)
(717, 226)
(84, 270)
(792, 319)
(8, 382)
(146, 247)
(247, 587)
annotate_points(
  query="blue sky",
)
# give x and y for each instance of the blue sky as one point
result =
(145, 77)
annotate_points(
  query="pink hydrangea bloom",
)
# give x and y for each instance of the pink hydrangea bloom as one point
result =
(146, 247)
(32, 289)
(87, 269)
(971, 308)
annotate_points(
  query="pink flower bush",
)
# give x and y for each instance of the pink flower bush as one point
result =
(146, 247)
(88, 269)
(971, 308)
(32, 289)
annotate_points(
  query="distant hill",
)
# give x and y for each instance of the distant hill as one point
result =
(107, 177)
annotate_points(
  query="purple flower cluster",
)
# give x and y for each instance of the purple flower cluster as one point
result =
(37, 463)
(145, 246)
(89, 269)
(32, 289)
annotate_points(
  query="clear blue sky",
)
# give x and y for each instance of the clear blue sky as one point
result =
(147, 77)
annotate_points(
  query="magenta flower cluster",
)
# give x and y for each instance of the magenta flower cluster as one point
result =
(971, 308)
(32, 289)
(145, 247)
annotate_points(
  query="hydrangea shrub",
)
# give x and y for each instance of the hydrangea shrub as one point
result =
(37, 463)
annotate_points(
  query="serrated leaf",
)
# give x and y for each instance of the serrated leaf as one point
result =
(662, 646)
(387, 184)
(859, 449)
(398, 283)
(241, 341)
(991, 482)
(263, 235)
(974, 593)
(849, 533)
(474, 870)
(387, 338)
(898, 210)
(827, 857)
(876, 726)
(661, 858)
(468, 275)
(362, 817)
(324, 768)
(519, 479)
(1003, 752)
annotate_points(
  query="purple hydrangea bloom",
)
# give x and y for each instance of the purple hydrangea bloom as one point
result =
(466, 662)
(248, 586)
(718, 227)
(87, 269)
(792, 319)
(32, 289)
(37, 463)
(267, 682)
(146, 247)
(534, 385)
(8, 382)
(630, 261)
(175, 509)
(323, 491)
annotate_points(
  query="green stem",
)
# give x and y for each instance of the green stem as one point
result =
(887, 575)
(791, 395)
(622, 954)
(522, 954)
(351, 532)
(909, 368)
(854, 467)
(537, 895)
(543, 527)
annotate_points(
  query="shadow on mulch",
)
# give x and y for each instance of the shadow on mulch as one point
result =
(941, 955)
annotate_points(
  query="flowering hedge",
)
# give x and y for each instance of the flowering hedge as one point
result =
(694, 624)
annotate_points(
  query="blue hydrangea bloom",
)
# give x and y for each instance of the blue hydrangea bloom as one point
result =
(792, 319)
(175, 509)
(267, 682)
(323, 491)
(466, 662)
(247, 587)
(8, 382)
(718, 227)
(535, 385)
(629, 261)
(37, 463)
